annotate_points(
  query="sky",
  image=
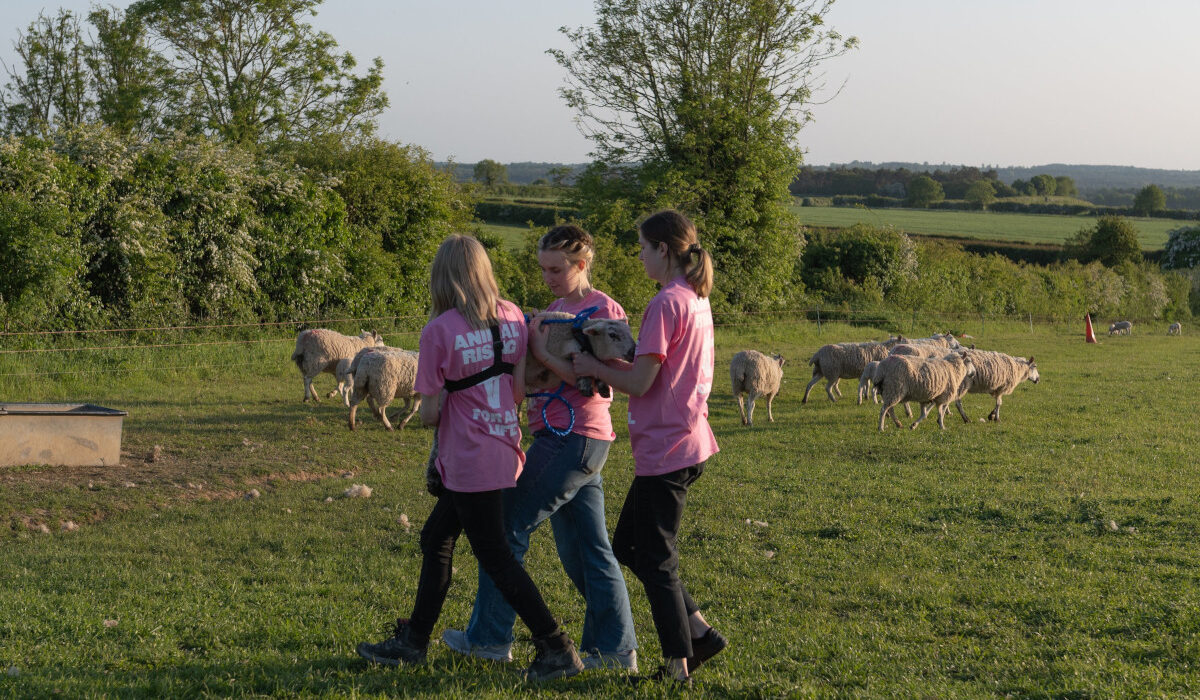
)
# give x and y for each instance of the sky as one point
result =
(1018, 83)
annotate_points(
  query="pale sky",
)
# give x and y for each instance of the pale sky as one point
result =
(1023, 82)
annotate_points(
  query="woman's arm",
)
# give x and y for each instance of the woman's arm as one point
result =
(431, 408)
(519, 380)
(633, 379)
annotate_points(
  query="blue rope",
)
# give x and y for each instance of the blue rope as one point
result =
(550, 397)
(576, 322)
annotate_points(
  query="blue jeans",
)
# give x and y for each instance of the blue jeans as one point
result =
(561, 481)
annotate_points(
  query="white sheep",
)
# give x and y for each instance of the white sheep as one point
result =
(610, 339)
(866, 383)
(840, 361)
(929, 381)
(996, 374)
(1118, 327)
(755, 374)
(383, 374)
(318, 350)
(944, 340)
(1175, 328)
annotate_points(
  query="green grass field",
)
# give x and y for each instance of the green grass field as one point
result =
(514, 236)
(995, 226)
(840, 561)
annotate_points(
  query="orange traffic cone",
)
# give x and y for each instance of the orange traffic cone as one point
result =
(1088, 335)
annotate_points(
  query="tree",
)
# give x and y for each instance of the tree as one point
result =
(1043, 184)
(1149, 199)
(1024, 188)
(52, 90)
(253, 71)
(696, 104)
(1182, 250)
(559, 175)
(1112, 241)
(981, 193)
(130, 80)
(1065, 186)
(923, 191)
(490, 172)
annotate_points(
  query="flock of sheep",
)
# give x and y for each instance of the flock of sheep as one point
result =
(934, 372)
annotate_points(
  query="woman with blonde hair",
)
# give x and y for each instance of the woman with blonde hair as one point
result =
(470, 375)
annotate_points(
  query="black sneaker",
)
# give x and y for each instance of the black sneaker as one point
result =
(705, 647)
(661, 676)
(555, 658)
(395, 650)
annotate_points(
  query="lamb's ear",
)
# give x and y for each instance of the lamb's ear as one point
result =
(593, 330)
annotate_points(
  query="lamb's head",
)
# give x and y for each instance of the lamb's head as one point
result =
(610, 339)
(894, 341)
(372, 337)
(952, 341)
(1033, 370)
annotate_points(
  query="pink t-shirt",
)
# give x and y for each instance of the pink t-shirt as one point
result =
(592, 416)
(479, 435)
(668, 425)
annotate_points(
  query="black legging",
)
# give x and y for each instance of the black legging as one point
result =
(644, 541)
(481, 516)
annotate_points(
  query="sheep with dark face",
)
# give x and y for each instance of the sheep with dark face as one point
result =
(1119, 327)
(1175, 328)
(755, 374)
(929, 381)
(838, 361)
(996, 374)
(319, 350)
(610, 339)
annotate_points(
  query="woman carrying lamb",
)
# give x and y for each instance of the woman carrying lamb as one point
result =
(561, 482)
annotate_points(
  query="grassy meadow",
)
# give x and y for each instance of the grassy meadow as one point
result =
(840, 562)
(994, 226)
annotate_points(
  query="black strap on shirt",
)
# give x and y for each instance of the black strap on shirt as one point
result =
(499, 366)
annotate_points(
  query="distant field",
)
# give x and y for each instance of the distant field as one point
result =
(513, 234)
(1033, 228)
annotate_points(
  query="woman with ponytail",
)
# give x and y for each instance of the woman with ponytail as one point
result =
(668, 385)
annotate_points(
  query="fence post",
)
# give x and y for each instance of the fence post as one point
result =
(818, 322)
(981, 324)
(1031, 322)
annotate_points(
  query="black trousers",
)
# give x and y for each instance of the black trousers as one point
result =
(481, 516)
(645, 541)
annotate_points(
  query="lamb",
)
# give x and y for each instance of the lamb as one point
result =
(996, 374)
(866, 383)
(840, 361)
(318, 350)
(610, 339)
(756, 374)
(930, 381)
(1175, 328)
(383, 374)
(1121, 326)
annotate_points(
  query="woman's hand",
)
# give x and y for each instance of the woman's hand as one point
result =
(584, 364)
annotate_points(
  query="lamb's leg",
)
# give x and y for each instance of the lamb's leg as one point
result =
(750, 410)
(354, 399)
(416, 403)
(995, 414)
(831, 386)
(888, 409)
(961, 412)
(816, 378)
(943, 408)
(309, 391)
(741, 407)
(383, 415)
(862, 392)
(837, 387)
(908, 409)
(924, 412)
(374, 406)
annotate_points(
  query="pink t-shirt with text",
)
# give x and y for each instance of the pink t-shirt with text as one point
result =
(479, 435)
(668, 425)
(592, 416)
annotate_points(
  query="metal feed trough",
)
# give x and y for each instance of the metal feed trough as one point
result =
(60, 434)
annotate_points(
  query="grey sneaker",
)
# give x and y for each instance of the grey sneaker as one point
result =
(621, 660)
(457, 641)
(395, 650)
(555, 658)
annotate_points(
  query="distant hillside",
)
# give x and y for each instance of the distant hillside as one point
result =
(523, 173)
(1086, 177)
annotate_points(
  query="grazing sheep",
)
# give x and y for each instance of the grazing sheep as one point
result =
(840, 361)
(996, 374)
(610, 339)
(930, 381)
(756, 374)
(383, 374)
(1121, 326)
(318, 350)
(1175, 328)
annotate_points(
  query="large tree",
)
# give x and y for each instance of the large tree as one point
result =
(923, 191)
(697, 104)
(49, 87)
(981, 193)
(490, 172)
(1149, 199)
(254, 71)
(131, 82)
